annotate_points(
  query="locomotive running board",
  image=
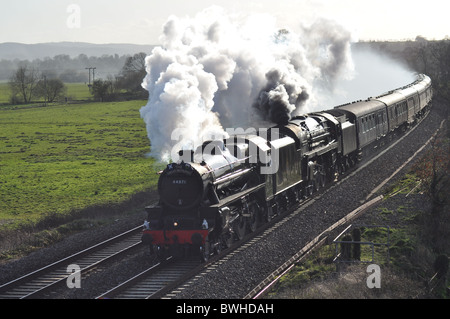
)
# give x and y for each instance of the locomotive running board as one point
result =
(322, 150)
(237, 196)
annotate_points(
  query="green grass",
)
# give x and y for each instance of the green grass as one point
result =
(4, 93)
(59, 159)
(408, 183)
(78, 91)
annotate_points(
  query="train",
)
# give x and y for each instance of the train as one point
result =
(225, 189)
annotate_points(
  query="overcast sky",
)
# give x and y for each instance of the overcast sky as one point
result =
(141, 21)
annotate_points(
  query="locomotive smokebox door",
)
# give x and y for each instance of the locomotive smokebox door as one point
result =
(180, 186)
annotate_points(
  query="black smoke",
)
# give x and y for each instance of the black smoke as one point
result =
(280, 98)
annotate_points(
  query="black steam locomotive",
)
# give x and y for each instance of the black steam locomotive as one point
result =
(225, 189)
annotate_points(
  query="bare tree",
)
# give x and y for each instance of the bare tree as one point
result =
(132, 74)
(433, 59)
(422, 58)
(136, 63)
(50, 89)
(440, 51)
(23, 83)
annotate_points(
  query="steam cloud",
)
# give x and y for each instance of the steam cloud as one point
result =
(217, 70)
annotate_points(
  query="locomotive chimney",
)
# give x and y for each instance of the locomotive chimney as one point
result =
(186, 155)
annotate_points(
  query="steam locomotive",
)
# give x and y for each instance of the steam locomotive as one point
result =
(227, 188)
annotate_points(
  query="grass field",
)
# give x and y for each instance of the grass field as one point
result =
(4, 93)
(59, 159)
(78, 91)
(75, 91)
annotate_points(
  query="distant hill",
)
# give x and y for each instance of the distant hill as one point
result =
(21, 51)
(68, 60)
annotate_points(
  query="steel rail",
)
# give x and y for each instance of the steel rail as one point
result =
(45, 278)
(152, 281)
(317, 242)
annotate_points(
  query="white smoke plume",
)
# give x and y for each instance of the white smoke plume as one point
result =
(218, 70)
(374, 74)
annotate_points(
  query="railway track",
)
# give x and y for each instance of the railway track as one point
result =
(54, 275)
(151, 282)
(303, 253)
(164, 279)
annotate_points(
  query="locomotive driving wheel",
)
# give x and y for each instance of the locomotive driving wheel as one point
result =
(205, 251)
(160, 252)
(253, 219)
(227, 239)
(240, 227)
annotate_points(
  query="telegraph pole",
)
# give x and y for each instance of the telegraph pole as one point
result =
(93, 76)
(45, 91)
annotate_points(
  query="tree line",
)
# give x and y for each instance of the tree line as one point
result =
(29, 83)
(127, 84)
(430, 57)
(433, 59)
(69, 70)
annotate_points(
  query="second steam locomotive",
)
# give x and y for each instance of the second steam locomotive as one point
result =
(225, 189)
